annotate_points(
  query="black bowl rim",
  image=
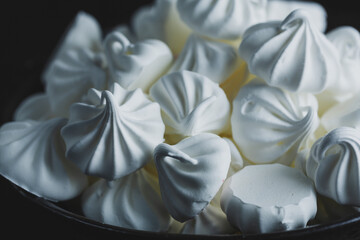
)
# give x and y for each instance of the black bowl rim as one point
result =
(55, 208)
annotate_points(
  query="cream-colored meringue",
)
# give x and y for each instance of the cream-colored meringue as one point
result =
(114, 137)
(225, 19)
(215, 60)
(346, 39)
(130, 202)
(334, 165)
(191, 173)
(32, 156)
(268, 198)
(83, 33)
(136, 65)
(277, 10)
(35, 107)
(161, 20)
(70, 77)
(344, 114)
(269, 124)
(191, 104)
(291, 54)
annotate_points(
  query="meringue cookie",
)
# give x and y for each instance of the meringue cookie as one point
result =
(191, 173)
(344, 114)
(225, 19)
(268, 198)
(212, 220)
(161, 21)
(191, 103)
(333, 165)
(72, 74)
(35, 107)
(114, 137)
(130, 202)
(215, 60)
(291, 54)
(32, 156)
(273, 120)
(136, 65)
(346, 39)
(237, 162)
(83, 33)
(277, 10)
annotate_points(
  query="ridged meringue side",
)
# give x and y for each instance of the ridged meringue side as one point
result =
(35, 107)
(83, 33)
(32, 156)
(114, 137)
(136, 65)
(191, 104)
(215, 60)
(334, 165)
(70, 77)
(191, 173)
(268, 198)
(161, 20)
(212, 220)
(225, 19)
(129, 202)
(269, 124)
(291, 54)
(277, 10)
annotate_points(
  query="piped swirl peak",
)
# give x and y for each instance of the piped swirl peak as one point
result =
(115, 136)
(291, 54)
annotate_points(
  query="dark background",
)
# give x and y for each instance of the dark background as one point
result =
(30, 31)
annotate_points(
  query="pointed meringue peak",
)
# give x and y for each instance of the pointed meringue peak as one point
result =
(191, 103)
(215, 60)
(277, 121)
(191, 173)
(136, 65)
(291, 54)
(334, 165)
(114, 133)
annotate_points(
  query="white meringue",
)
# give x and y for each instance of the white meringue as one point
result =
(269, 124)
(161, 20)
(191, 103)
(334, 165)
(191, 173)
(70, 77)
(277, 10)
(212, 220)
(225, 19)
(83, 33)
(130, 202)
(215, 60)
(32, 156)
(344, 114)
(114, 137)
(237, 162)
(136, 65)
(268, 198)
(35, 107)
(291, 54)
